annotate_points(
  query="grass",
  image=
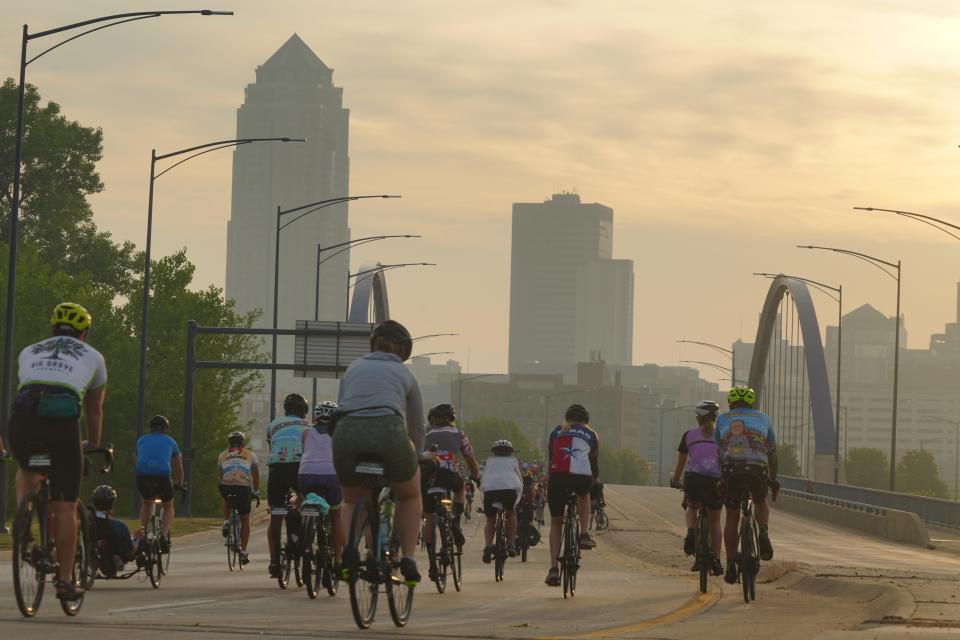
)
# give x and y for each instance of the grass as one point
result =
(181, 527)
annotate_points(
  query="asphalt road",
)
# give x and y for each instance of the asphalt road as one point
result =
(826, 582)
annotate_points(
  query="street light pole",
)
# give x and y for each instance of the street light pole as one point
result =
(728, 352)
(303, 210)
(12, 240)
(884, 266)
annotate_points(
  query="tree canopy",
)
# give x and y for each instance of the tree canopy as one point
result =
(917, 473)
(868, 468)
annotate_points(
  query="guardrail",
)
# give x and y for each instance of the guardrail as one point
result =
(935, 511)
(834, 502)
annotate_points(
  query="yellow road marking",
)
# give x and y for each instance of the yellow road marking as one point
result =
(698, 602)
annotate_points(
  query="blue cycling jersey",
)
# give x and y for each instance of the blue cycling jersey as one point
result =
(745, 435)
(154, 451)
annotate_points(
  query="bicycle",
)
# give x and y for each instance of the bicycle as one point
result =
(450, 555)
(372, 556)
(319, 559)
(499, 541)
(704, 558)
(34, 549)
(600, 519)
(291, 548)
(232, 542)
(527, 534)
(469, 506)
(748, 558)
(157, 557)
(570, 546)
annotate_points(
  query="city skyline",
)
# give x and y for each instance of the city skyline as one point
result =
(768, 144)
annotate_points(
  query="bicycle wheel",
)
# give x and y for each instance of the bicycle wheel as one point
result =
(441, 557)
(310, 561)
(164, 555)
(329, 577)
(571, 556)
(283, 578)
(747, 560)
(154, 572)
(28, 580)
(72, 607)
(360, 565)
(454, 555)
(399, 593)
(704, 550)
(233, 542)
(88, 533)
(602, 520)
(499, 549)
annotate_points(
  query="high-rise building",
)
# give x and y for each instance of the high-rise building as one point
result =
(568, 299)
(293, 96)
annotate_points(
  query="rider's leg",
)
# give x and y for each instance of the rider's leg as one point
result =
(244, 531)
(27, 481)
(690, 515)
(167, 518)
(351, 495)
(459, 502)
(716, 531)
(556, 529)
(409, 508)
(337, 533)
(731, 532)
(511, 517)
(488, 531)
(144, 512)
(273, 536)
(65, 536)
(583, 506)
(762, 511)
(428, 526)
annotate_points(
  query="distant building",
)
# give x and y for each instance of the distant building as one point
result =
(568, 298)
(293, 96)
(434, 380)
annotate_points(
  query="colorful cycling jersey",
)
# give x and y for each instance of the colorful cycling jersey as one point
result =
(154, 451)
(237, 466)
(450, 441)
(63, 361)
(284, 439)
(572, 450)
(702, 451)
(745, 435)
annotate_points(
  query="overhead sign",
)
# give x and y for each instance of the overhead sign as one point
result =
(328, 353)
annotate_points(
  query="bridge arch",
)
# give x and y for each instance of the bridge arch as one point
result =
(821, 402)
(370, 300)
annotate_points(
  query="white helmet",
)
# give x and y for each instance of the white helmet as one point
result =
(324, 410)
(706, 408)
(502, 446)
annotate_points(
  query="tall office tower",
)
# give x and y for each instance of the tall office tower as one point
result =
(293, 96)
(561, 262)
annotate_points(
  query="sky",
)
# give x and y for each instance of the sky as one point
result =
(722, 133)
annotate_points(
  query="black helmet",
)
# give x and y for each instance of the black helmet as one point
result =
(396, 332)
(577, 413)
(296, 404)
(103, 497)
(159, 423)
(441, 414)
(236, 439)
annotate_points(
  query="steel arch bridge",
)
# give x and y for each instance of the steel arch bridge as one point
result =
(370, 300)
(811, 367)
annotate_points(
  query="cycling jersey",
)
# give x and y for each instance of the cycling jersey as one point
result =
(237, 467)
(317, 453)
(62, 361)
(450, 441)
(745, 435)
(702, 451)
(154, 451)
(572, 451)
(502, 472)
(284, 439)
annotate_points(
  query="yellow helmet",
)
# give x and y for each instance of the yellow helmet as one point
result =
(742, 393)
(72, 314)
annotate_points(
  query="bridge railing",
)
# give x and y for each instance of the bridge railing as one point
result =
(935, 511)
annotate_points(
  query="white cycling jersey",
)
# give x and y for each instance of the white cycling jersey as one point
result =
(63, 361)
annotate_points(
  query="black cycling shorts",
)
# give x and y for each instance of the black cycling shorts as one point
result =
(506, 497)
(700, 489)
(283, 477)
(58, 437)
(237, 497)
(741, 480)
(151, 487)
(438, 477)
(560, 485)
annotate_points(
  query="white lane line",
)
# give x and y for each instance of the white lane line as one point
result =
(163, 605)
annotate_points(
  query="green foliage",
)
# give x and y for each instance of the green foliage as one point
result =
(917, 473)
(62, 256)
(868, 468)
(788, 464)
(621, 466)
(484, 431)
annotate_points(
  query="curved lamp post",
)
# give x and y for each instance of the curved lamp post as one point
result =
(892, 270)
(432, 353)
(723, 350)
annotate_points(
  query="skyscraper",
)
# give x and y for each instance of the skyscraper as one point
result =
(293, 96)
(569, 300)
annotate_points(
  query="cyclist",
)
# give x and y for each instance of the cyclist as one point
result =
(748, 462)
(698, 453)
(317, 474)
(285, 441)
(120, 547)
(59, 378)
(468, 491)
(157, 456)
(596, 499)
(573, 451)
(239, 483)
(383, 417)
(501, 483)
(446, 440)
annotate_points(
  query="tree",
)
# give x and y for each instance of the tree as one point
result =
(484, 431)
(622, 466)
(867, 468)
(917, 473)
(787, 462)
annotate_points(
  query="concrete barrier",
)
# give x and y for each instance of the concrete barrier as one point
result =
(900, 526)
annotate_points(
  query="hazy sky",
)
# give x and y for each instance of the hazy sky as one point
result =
(722, 133)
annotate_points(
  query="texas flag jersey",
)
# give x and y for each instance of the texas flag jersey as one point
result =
(572, 450)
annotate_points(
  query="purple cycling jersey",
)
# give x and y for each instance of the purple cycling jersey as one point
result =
(702, 450)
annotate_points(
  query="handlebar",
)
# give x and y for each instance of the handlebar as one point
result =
(675, 485)
(106, 452)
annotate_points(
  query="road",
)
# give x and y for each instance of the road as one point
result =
(826, 582)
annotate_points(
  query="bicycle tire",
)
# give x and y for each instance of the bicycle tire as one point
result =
(283, 576)
(153, 563)
(499, 549)
(164, 556)
(363, 591)
(28, 583)
(571, 552)
(72, 607)
(456, 567)
(329, 577)
(747, 573)
(88, 532)
(440, 534)
(602, 520)
(310, 562)
(399, 593)
(233, 542)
